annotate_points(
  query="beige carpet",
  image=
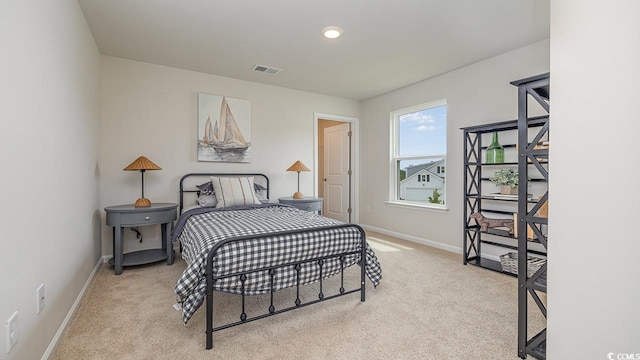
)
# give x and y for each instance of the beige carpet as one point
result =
(428, 306)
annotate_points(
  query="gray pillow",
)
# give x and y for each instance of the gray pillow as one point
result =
(205, 189)
(261, 193)
(207, 201)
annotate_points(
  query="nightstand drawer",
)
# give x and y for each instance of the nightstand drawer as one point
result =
(151, 217)
(309, 206)
(312, 204)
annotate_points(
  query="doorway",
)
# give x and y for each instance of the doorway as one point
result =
(335, 165)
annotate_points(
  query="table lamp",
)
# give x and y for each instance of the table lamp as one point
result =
(143, 164)
(297, 167)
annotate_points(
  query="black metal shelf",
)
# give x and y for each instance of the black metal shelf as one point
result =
(531, 180)
(508, 163)
(537, 345)
(532, 160)
(535, 121)
(503, 212)
(499, 232)
(536, 88)
(507, 146)
(538, 84)
(531, 200)
(488, 264)
(512, 247)
(538, 152)
(491, 198)
(504, 234)
(491, 231)
(488, 242)
(539, 283)
(493, 164)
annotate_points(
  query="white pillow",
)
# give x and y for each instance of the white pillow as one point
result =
(230, 191)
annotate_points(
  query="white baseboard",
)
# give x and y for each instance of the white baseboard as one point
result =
(72, 311)
(415, 239)
(435, 244)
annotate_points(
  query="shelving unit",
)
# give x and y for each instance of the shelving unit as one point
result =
(483, 248)
(536, 88)
(478, 198)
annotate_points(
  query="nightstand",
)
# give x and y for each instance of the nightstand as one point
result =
(122, 216)
(308, 203)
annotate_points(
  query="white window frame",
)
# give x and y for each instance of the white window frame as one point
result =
(394, 181)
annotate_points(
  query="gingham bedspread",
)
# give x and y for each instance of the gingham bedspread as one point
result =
(199, 232)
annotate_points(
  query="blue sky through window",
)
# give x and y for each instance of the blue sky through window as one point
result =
(422, 133)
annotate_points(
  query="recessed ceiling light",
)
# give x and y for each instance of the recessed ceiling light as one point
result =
(331, 32)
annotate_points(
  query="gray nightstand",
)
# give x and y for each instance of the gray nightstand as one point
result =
(308, 203)
(122, 216)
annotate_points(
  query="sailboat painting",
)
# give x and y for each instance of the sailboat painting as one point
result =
(224, 129)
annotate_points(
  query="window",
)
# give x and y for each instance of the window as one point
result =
(418, 155)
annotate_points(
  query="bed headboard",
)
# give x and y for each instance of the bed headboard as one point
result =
(189, 189)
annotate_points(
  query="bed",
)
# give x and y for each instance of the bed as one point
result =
(234, 240)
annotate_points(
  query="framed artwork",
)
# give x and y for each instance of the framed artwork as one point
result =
(224, 129)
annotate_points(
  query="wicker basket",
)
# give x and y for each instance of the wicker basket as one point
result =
(509, 263)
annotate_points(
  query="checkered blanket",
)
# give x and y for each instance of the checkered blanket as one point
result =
(199, 231)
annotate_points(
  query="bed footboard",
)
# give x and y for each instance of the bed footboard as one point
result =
(297, 303)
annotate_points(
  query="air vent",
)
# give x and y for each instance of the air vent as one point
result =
(266, 69)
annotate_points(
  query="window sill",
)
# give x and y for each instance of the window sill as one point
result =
(417, 206)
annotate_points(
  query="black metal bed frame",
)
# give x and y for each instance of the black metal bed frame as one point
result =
(297, 265)
(192, 190)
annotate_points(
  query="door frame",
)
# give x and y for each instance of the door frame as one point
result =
(355, 158)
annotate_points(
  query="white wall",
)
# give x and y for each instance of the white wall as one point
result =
(594, 243)
(49, 71)
(151, 110)
(476, 94)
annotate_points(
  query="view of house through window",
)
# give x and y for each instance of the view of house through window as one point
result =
(419, 138)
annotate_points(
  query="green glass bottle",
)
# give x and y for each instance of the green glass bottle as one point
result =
(495, 151)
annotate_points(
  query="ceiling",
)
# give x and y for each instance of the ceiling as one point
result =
(386, 44)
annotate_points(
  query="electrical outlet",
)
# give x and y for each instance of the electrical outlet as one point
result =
(368, 208)
(40, 298)
(12, 332)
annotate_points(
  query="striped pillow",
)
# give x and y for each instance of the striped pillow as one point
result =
(230, 191)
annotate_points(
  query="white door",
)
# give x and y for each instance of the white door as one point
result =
(337, 172)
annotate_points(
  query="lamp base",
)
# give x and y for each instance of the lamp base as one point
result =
(298, 195)
(143, 202)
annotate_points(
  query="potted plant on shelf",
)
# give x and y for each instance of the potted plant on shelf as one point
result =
(507, 179)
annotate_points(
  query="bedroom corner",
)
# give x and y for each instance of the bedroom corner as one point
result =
(51, 105)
